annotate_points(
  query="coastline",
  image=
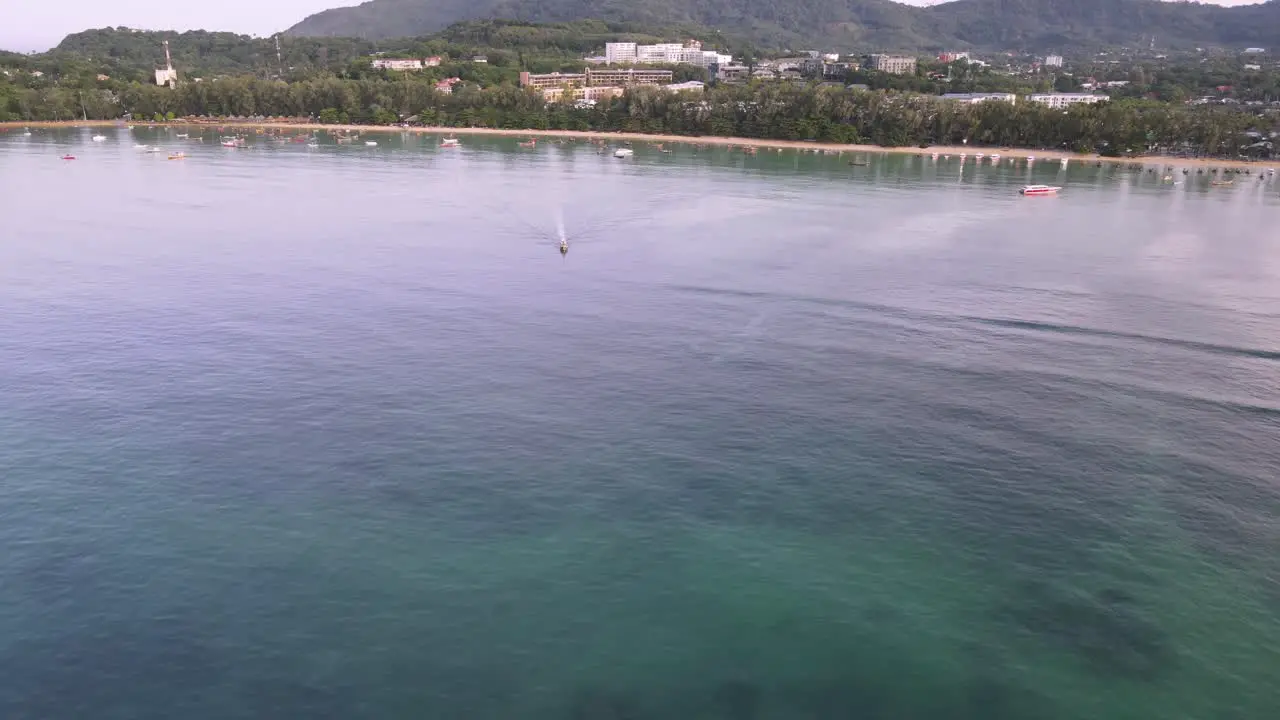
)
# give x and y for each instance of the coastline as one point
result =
(719, 141)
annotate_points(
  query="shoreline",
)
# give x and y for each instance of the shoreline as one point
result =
(719, 141)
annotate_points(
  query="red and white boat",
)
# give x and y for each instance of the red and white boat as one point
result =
(1039, 190)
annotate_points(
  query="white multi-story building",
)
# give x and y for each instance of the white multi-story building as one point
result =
(1060, 100)
(660, 53)
(1053, 61)
(619, 52)
(975, 98)
(397, 64)
(690, 53)
(893, 64)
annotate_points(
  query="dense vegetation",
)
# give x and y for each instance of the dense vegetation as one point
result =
(851, 24)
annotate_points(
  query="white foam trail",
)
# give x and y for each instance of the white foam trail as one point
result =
(560, 224)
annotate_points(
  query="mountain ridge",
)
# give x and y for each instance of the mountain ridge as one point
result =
(849, 24)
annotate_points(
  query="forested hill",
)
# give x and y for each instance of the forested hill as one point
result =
(851, 24)
(200, 51)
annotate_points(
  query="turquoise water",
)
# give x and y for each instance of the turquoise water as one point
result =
(336, 432)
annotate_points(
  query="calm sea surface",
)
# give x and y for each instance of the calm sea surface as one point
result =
(335, 432)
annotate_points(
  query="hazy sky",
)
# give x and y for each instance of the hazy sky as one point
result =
(39, 24)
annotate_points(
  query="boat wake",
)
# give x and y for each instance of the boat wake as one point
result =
(1118, 335)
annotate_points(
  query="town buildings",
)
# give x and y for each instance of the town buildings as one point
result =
(1053, 61)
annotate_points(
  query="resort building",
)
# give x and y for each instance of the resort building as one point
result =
(892, 64)
(975, 98)
(446, 86)
(950, 57)
(1061, 100)
(1053, 61)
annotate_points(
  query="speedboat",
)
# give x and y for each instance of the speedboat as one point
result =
(449, 142)
(183, 136)
(1039, 190)
(623, 153)
(68, 157)
(99, 138)
(178, 156)
(371, 143)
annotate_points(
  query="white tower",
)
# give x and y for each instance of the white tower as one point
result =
(167, 76)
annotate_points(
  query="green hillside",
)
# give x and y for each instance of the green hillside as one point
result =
(849, 24)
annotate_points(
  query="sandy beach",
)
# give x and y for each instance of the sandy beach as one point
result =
(619, 137)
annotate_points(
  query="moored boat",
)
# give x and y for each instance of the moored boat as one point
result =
(1039, 190)
(450, 142)
(623, 153)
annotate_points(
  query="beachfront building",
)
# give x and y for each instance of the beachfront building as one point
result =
(581, 96)
(596, 78)
(405, 64)
(975, 98)
(892, 64)
(627, 77)
(1061, 100)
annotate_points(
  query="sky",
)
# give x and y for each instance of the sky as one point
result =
(37, 25)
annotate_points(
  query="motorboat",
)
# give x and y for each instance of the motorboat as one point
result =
(68, 157)
(450, 142)
(1039, 190)
(99, 138)
(532, 142)
(178, 156)
(623, 153)
(371, 143)
(183, 136)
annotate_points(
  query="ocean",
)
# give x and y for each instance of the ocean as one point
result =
(337, 432)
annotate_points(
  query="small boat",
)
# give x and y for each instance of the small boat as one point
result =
(371, 143)
(531, 142)
(68, 157)
(1222, 183)
(623, 153)
(183, 136)
(26, 133)
(234, 142)
(99, 138)
(141, 147)
(178, 156)
(154, 150)
(449, 142)
(313, 145)
(1039, 190)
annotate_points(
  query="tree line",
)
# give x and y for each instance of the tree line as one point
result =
(760, 110)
